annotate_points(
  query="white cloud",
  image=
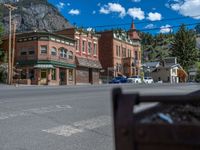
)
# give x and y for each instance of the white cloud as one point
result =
(154, 16)
(189, 8)
(165, 29)
(99, 4)
(136, 13)
(113, 8)
(136, 1)
(60, 5)
(74, 12)
(68, 4)
(93, 12)
(150, 26)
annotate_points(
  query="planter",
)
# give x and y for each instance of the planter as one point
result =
(159, 127)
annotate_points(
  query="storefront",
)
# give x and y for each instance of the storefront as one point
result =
(47, 73)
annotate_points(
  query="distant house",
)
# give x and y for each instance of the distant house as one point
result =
(167, 70)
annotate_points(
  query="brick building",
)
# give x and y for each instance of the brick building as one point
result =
(120, 52)
(45, 58)
(87, 55)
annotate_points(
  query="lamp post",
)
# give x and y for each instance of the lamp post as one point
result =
(10, 8)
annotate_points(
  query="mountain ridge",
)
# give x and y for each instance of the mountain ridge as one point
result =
(34, 15)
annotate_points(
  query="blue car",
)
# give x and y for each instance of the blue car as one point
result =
(119, 80)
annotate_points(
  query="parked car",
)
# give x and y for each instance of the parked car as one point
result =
(135, 79)
(148, 80)
(119, 80)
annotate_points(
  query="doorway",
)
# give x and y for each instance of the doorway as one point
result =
(63, 77)
(43, 77)
(90, 76)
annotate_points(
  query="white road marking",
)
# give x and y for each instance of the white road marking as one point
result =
(64, 130)
(80, 126)
(28, 112)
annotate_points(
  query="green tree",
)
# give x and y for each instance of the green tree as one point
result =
(1, 32)
(197, 28)
(184, 47)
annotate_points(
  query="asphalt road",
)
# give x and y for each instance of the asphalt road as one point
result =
(65, 117)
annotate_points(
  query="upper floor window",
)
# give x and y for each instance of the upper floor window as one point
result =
(119, 53)
(83, 46)
(95, 49)
(77, 45)
(89, 47)
(32, 52)
(129, 53)
(23, 53)
(117, 50)
(70, 55)
(124, 52)
(53, 51)
(63, 53)
(136, 55)
(43, 49)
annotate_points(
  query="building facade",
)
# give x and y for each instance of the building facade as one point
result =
(45, 58)
(167, 71)
(87, 55)
(120, 52)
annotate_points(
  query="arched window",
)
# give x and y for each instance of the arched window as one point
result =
(70, 55)
(63, 53)
(53, 51)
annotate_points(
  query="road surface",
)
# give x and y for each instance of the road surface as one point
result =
(65, 117)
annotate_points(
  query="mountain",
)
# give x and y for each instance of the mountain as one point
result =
(34, 15)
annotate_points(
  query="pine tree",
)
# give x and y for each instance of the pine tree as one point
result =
(184, 47)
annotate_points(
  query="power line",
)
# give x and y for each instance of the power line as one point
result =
(142, 22)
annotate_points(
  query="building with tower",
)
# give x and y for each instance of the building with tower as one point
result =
(120, 52)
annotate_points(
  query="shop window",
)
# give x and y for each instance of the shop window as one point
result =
(53, 51)
(70, 74)
(43, 49)
(53, 74)
(23, 74)
(31, 74)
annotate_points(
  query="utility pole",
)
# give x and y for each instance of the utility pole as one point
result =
(13, 52)
(10, 8)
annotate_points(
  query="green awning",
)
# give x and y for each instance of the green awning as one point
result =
(44, 66)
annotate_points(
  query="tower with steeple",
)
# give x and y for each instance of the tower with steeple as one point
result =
(133, 32)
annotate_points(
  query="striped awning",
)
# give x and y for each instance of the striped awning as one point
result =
(44, 66)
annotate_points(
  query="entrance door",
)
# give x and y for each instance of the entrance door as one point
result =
(90, 76)
(43, 77)
(62, 76)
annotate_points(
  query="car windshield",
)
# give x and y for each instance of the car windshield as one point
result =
(60, 61)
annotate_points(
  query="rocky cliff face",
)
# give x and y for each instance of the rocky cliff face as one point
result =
(34, 15)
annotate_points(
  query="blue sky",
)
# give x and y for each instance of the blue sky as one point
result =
(148, 15)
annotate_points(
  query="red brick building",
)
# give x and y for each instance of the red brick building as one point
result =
(120, 52)
(45, 58)
(87, 55)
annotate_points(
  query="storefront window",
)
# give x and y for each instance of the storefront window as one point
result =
(31, 74)
(53, 74)
(70, 74)
(23, 74)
